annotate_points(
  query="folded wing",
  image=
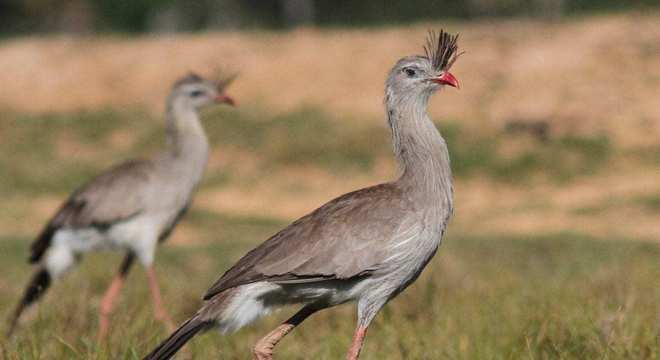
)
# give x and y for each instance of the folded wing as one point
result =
(112, 197)
(339, 240)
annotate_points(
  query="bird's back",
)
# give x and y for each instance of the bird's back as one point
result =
(124, 192)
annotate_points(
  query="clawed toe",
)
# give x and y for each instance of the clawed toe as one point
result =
(262, 354)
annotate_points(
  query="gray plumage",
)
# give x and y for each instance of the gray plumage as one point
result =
(334, 242)
(136, 204)
(365, 246)
(110, 198)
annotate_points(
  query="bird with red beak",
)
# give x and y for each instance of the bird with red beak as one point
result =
(131, 207)
(364, 247)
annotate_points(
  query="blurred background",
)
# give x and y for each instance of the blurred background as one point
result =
(554, 249)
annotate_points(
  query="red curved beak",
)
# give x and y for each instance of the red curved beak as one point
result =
(225, 99)
(447, 79)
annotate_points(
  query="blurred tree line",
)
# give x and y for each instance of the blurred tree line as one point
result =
(139, 16)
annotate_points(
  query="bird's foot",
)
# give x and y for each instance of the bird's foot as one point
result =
(104, 328)
(263, 352)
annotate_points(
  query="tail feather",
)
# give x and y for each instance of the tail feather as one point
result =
(179, 338)
(36, 288)
(41, 244)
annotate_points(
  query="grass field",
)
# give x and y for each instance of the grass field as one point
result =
(554, 249)
(564, 295)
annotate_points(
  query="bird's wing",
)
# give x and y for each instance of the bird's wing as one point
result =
(112, 197)
(340, 240)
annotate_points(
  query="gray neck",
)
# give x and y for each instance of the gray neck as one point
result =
(420, 150)
(187, 144)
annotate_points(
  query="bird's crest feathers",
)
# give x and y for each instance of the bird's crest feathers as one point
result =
(441, 49)
(224, 80)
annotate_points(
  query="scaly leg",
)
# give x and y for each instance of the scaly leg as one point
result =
(110, 297)
(263, 350)
(159, 310)
(356, 345)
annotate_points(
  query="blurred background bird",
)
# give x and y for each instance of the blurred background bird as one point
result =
(131, 207)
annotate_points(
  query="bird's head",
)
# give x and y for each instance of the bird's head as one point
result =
(194, 92)
(424, 74)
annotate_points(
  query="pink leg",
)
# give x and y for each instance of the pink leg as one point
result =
(263, 350)
(159, 310)
(356, 346)
(107, 304)
(110, 297)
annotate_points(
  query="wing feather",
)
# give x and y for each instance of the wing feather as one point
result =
(339, 240)
(112, 197)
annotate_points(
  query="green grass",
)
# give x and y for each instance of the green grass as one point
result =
(303, 137)
(650, 202)
(311, 137)
(565, 296)
(558, 159)
(561, 296)
(31, 148)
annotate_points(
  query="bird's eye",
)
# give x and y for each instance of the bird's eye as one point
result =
(410, 72)
(196, 93)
